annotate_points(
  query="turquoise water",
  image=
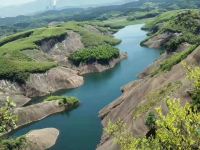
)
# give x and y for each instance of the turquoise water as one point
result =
(81, 129)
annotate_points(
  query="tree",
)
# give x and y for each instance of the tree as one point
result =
(193, 74)
(8, 122)
(178, 130)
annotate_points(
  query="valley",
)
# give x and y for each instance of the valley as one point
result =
(107, 78)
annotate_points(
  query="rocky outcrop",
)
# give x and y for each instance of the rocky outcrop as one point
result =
(14, 91)
(61, 50)
(36, 112)
(53, 80)
(152, 68)
(158, 40)
(136, 95)
(183, 46)
(41, 139)
(96, 67)
(40, 84)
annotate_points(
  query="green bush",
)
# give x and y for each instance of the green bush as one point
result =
(151, 120)
(63, 100)
(193, 74)
(102, 54)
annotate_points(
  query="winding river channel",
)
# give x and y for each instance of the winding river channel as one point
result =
(81, 128)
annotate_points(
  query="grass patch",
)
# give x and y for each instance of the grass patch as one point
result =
(15, 37)
(16, 66)
(89, 38)
(101, 54)
(155, 97)
(19, 71)
(173, 60)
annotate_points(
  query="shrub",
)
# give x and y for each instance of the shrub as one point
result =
(151, 120)
(193, 75)
(13, 144)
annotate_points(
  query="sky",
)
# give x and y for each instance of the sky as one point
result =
(5, 3)
(13, 2)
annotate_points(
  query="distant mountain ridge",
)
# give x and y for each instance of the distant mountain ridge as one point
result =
(44, 5)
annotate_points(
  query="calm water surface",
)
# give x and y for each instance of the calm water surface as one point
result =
(81, 129)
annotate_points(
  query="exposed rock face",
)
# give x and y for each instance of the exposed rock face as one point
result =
(157, 41)
(183, 46)
(153, 67)
(39, 85)
(66, 77)
(14, 91)
(53, 80)
(29, 114)
(41, 139)
(96, 67)
(135, 94)
(61, 50)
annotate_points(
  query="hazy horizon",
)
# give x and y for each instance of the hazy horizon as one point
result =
(10, 8)
(7, 3)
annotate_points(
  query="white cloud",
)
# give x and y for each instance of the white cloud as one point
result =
(13, 2)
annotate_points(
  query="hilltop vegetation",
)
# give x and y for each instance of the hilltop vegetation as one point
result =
(185, 22)
(15, 65)
(183, 26)
(133, 10)
(101, 54)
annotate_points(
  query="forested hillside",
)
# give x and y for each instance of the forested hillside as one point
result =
(133, 10)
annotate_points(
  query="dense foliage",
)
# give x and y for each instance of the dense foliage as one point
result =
(101, 54)
(178, 129)
(151, 120)
(13, 144)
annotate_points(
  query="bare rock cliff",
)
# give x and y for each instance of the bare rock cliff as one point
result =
(53, 80)
(41, 139)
